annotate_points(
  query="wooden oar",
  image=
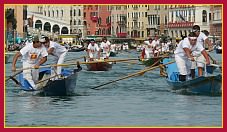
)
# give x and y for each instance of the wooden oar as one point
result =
(47, 78)
(141, 72)
(12, 76)
(214, 61)
(92, 62)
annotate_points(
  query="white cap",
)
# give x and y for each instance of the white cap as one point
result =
(42, 40)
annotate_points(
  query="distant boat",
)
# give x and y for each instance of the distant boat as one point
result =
(63, 86)
(204, 85)
(76, 49)
(98, 65)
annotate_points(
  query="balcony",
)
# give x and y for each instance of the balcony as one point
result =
(135, 28)
(94, 18)
(180, 24)
(219, 21)
(135, 18)
(121, 23)
(121, 35)
(108, 24)
(151, 26)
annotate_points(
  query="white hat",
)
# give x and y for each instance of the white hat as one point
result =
(42, 40)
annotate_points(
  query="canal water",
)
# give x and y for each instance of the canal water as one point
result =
(142, 101)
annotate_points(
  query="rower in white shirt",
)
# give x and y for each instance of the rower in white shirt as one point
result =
(105, 47)
(93, 50)
(183, 55)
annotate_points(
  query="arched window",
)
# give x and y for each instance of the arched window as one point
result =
(79, 22)
(53, 13)
(204, 13)
(57, 13)
(62, 13)
(74, 22)
(48, 13)
(45, 13)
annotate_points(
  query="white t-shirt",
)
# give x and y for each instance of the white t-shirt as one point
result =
(113, 47)
(32, 55)
(155, 43)
(201, 38)
(93, 49)
(58, 49)
(186, 44)
(105, 46)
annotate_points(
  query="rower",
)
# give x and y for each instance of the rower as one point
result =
(202, 39)
(93, 50)
(34, 54)
(148, 50)
(105, 47)
(184, 57)
(156, 45)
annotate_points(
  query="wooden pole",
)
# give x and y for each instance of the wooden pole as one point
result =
(141, 72)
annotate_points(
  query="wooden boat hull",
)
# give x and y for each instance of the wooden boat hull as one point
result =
(204, 85)
(99, 66)
(62, 87)
(210, 85)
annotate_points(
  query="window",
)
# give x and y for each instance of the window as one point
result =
(79, 22)
(210, 16)
(53, 13)
(57, 13)
(79, 12)
(62, 13)
(74, 13)
(84, 14)
(204, 13)
(145, 14)
(74, 22)
(48, 13)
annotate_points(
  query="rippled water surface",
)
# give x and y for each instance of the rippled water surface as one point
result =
(140, 101)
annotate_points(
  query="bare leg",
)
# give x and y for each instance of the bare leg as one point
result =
(200, 71)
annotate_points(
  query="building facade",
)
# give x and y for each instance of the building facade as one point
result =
(97, 20)
(76, 20)
(50, 18)
(19, 12)
(183, 17)
(137, 21)
(157, 20)
(216, 21)
(119, 21)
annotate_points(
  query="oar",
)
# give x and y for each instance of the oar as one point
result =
(12, 76)
(47, 78)
(214, 61)
(130, 75)
(92, 62)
